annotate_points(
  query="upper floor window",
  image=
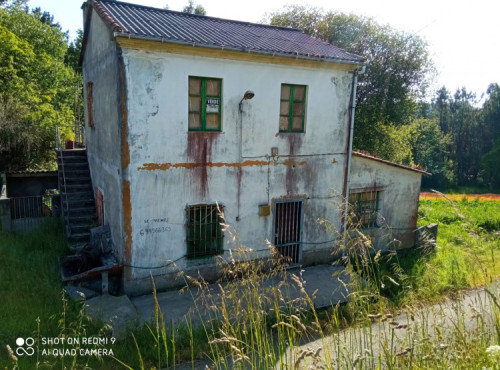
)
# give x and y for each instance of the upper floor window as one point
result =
(292, 108)
(205, 104)
(364, 208)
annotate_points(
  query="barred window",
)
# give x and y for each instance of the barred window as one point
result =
(204, 230)
(364, 208)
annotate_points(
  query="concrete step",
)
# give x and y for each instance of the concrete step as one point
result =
(70, 157)
(77, 194)
(78, 178)
(77, 203)
(79, 186)
(71, 152)
(80, 211)
(70, 164)
(76, 188)
(79, 229)
(88, 218)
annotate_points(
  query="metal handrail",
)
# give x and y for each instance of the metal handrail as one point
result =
(79, 131)
(65, 193)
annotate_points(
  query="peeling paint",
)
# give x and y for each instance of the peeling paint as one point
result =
(123, 105)
(195, 165)
(127, 226)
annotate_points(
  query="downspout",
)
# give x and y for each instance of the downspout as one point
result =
(347, 179)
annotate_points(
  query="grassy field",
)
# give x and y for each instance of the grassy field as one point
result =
(467, 254)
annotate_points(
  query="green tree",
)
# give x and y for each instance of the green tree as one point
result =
(36, 90)
(72, 58)
(398, 67)
(430, 148)
(192, 9)
(491, 166)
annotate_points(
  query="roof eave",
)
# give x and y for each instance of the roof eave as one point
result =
(224, 47)
(359, 154)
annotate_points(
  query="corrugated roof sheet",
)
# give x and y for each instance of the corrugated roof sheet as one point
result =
(166, 25)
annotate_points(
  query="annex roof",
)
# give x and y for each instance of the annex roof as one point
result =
(136, 21)
(375, 158)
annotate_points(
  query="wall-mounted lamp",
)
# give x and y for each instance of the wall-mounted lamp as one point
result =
(249, 94)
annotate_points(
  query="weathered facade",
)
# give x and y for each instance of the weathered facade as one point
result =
(397, 189)
(187, 124)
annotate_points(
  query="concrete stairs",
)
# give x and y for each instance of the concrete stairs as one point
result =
(77, 196)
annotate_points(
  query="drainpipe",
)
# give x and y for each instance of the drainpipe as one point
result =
(249, 94)
(349, 153)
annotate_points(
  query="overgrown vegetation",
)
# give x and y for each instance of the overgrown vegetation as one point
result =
(40, 89)
(246, 323)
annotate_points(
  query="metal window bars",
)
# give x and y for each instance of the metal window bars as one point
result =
(204, 230)
(364, 208)
(288, 220)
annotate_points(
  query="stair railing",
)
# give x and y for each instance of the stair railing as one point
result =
(65, 215)
(79, 131)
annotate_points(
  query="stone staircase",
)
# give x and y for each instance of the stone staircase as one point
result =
(77, 196)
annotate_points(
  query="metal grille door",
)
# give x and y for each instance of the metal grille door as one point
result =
(288, 216)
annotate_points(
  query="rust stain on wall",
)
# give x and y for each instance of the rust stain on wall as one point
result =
(123, 104)
(193, 165)
(291, 162)
(199, 150)
(127, 226)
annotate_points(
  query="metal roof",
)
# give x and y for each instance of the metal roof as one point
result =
(143, 22)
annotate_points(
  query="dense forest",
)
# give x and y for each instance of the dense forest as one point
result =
(397, 116)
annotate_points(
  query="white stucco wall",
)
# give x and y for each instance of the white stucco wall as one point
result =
(162, 151)
(398, 200)
(100, 66)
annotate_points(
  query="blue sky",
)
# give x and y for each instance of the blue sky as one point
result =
(462, 35)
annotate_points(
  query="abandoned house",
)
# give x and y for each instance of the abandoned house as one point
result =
(190, 118)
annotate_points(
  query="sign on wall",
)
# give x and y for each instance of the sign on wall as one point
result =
(213, 105)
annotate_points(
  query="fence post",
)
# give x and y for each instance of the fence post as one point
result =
(5, 220)
(3, 185)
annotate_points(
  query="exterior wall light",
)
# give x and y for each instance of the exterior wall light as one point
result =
(249, 94)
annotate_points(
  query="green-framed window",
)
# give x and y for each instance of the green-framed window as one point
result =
(204, 230)
(364, 208)
(205, 101)
(292, 108)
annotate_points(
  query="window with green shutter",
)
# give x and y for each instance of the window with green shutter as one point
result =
(205, 101)
(292, 108)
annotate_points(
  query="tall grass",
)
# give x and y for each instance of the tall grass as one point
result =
(30, 284)
(246, 322)
(33, 302)
(251, 324)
